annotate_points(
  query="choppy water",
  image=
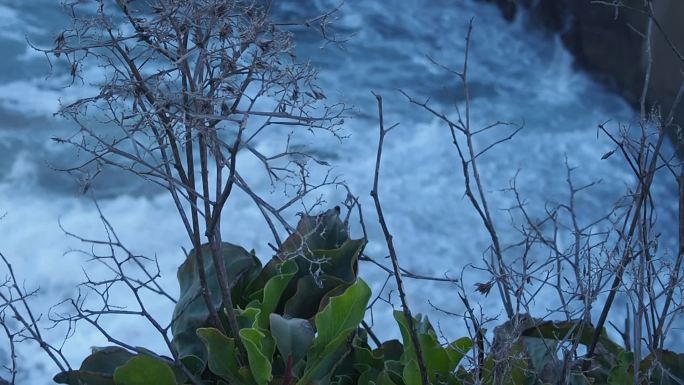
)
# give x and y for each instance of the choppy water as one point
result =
(516, 74)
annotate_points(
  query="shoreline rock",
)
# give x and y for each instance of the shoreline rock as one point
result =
(607, 43)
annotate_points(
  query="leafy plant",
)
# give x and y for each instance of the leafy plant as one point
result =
(300, 318)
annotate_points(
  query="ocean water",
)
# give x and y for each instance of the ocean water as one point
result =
(517, 74)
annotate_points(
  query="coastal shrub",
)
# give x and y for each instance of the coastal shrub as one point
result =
(302, 328)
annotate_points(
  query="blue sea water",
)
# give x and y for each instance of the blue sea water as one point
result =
(518, 74)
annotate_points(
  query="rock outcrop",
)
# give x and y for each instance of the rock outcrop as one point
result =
(608, 42)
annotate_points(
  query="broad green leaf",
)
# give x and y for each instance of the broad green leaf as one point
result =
(411, 373)
(384, 379)
(334, 324)
(364, 355)
(98, 368)
(436, 358)
(391, 350)
(292, 336)
(193, 363)
(191, 311)
(394, 366)
(221, 354)
(272, 292)
(623, 372)
(341, 262)
(306, 300)
(541, 351)
(366, 376)
(458, 349)
(325, 231)
(342, 315)
(440, 361)
(79, 377)
(247, 318)
(395, 370)
(343, 380)
(409, 350)
(508, 371)
(667, 368)
(259, 362)
(242, 289)
(320, 365)
(571, 330)
(144, 370)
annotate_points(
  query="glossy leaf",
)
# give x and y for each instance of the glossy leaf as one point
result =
(541, 352)
(384, 379)
(571, 330)
(144, 370)
(273, 291)
(293, 337)
(458, 349)
(623, 372)
(392, 350)
(306, 300)
(257, 355)
(191, 312)
(325, 231)
(98, 368)
(667, 368)
(411, 373)
(221, 354)
(320, 365)
(342, 315)
(334, 324)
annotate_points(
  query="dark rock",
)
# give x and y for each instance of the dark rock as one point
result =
(604, 44)
(608, 42)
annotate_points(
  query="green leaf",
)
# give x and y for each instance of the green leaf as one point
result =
(306, 294)
(292, 336)
(321, 365)
(384, 379)
(334, 324)
(306, 300)
(623, 372)
(440, 361)
(259, 362)
(363, 355)
(193, 363)
(437, 360)
(221, 354)
(241, 291)
(342, 261)
(409, 350)
(191, 311)
(394, 366)
(321, 244)
(541, 351)
(144, 370)
(572, 330)
(98, 368)
(272, 292)
(325, 231)
(391, 350)
(510, 370)
(411, 373)
(427, 340)
(81, 377)
(457, 350)
(247, 318)
(667, 367)
(342, 315)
